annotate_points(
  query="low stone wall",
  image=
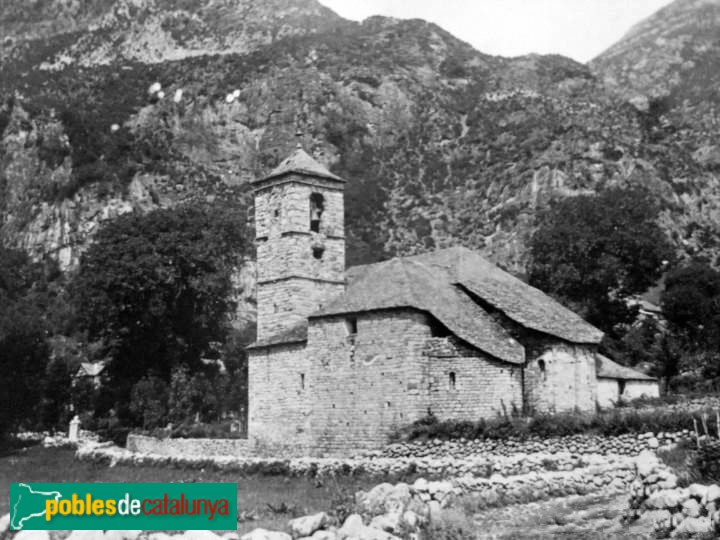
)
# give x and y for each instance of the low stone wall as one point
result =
(445, 467)
(187, 447)
(630, 444)
(656, 498)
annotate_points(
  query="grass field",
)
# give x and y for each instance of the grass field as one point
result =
(263, 501)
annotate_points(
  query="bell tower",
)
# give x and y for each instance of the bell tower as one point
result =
(300, 239)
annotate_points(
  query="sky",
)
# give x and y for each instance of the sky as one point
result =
(580, 29)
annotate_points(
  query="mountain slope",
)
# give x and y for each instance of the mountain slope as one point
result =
(441, 144)
(675, 52)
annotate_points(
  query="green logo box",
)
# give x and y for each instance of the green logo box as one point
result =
(52, 507)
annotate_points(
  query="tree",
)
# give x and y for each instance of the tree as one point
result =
(691, 304)
(148, 402)
(24, 351)
(592, 252)
(157, 289)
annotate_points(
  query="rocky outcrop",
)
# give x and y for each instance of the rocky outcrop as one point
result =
(441, 144)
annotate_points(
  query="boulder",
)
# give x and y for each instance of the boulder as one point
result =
(691, 508)
(647, 462)
(324, 535)
(371, 533)
(264, 534)
(389, 522)
(666, 498)
(654, 517)
(698, 491)
(434, 511)
(693, 525)
(398, 498)
(307, 525)
(712, 493)
(373, 502)
(4, 523)
(420, 485)
(411, 519)
(351, 527)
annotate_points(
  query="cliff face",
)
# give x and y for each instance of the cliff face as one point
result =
(441, 144)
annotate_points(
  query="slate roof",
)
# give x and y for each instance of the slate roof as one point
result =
(445, 283)
(300, 162)
(407, 282)
(607, 369)
(294, 334)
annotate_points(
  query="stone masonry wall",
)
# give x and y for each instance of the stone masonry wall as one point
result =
(298, 269)
(279, 408)
(561, 379)
(464, 384)
(286, 303)
(285, 207)
(187, 447)
(365, 386)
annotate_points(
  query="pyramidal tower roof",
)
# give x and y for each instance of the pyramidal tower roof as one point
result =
(299, 162)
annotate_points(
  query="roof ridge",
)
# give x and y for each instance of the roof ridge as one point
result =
(303, 163)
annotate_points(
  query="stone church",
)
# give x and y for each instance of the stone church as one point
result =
(345, 355)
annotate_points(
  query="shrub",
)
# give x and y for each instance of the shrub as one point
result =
(682, 459)
(609, 423)
(451, 525)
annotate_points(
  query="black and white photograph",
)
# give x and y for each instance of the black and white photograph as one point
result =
(359, 269)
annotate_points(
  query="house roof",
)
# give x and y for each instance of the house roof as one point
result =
(607, 369)
(90, 369)
(407, 282)
(460, 289)
(301, 163)
(294, 334)
(467, 270)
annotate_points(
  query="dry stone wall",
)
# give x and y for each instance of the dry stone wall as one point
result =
(186, 447)
(656, 498)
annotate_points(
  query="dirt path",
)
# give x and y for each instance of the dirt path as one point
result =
(586, 517)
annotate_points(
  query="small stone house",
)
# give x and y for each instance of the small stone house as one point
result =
(345, 356)
(91, 371)
(616, 382)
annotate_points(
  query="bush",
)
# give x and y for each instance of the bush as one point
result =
(682, 459)
(614, 422)
(451, 525)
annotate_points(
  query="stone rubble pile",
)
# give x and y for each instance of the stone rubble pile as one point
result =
(630, 444)
(674, 511)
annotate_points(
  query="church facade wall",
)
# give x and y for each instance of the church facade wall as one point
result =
(279, 409)
(465, 384)
(368, 383)
(560, 379)
(363, 376)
